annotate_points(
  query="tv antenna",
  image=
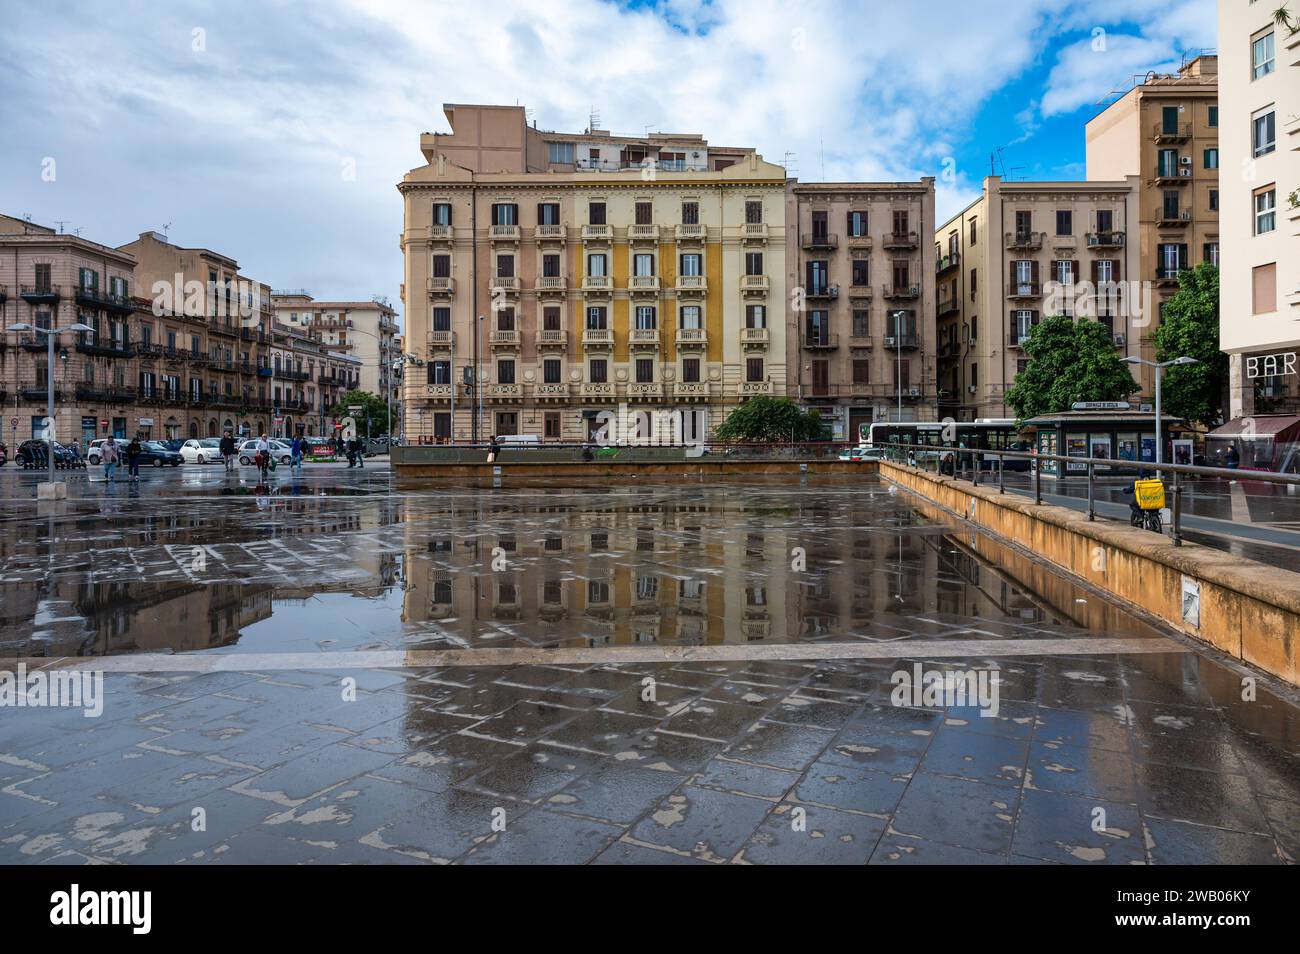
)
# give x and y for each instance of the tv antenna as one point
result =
(60, 223)
(165, 228)
(788, 160)
(593, 119)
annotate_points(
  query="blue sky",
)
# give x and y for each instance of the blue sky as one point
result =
(276, 131)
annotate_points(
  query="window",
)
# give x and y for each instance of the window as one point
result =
(972, 232)
(1214, 200)
(861, 371)
(560, 152)
(753, 212)
(857, 224)
(505, 213)
(1168, 163)
(439, 372)
(599, 371)
(551, 428)
(901, 222)
(861, 323)
(902, 273)
(88, 277)
(1024, 223)
(1264, 289)
(818, 277)
(1212, 118)
(442, 213)
(753, 263)
(1261, 55)
(551, 318)
(643, 265)
(753, 369)
(691, 264)
(644, 213)
(548, 213)
(1210, 160)
(551, 371)
(550, 266)
(755, 316)
(505, 266)
(861, 274)
(1064, 222)
(690, 317)
(1211, 253)
(596, 213)
(1265, 210)
(596, 318)
(1263, 132)
(690, 213)
(506, 319)
(645, 370)
(691, 370)
(645, 317)
(442, 266)
(1170, 205)
(596, 264)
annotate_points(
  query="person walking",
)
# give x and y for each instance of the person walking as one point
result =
(133, 452)
(361, 453)
(494, 448)
(263, 456)
(227, 448)
(108, 455)
(295, 454)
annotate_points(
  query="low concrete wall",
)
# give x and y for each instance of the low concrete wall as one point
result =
(534, 471)
(1248, 610)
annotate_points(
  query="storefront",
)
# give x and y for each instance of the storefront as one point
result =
(1261, 442)
(1125, 436)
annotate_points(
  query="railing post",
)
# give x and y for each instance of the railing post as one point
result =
(1038, 482)
(1001, 487)
(975, 465)
(1178, 512)
(1092, 512)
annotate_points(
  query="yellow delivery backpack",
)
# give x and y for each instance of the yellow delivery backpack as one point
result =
(1150, 494)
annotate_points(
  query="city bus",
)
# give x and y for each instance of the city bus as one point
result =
(990, 433)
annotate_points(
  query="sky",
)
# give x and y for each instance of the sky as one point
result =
(276, 132)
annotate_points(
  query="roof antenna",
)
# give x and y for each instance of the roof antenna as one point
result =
(165, 228)
(60, 223)
(593, 120)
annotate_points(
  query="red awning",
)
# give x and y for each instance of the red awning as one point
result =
(1260, 426)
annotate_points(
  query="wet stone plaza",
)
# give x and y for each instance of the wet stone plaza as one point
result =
(347, 668)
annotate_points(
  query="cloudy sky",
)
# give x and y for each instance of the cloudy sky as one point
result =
(275, 132)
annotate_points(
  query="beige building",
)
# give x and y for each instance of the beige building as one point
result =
(1020, 252)
(574, 274)
(861, 341)
(1165, 131)
(1259, 312)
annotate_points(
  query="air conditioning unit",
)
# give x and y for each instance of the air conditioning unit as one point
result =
(1185, 173)
(913, 392)
(889, 341)
(1186, 215)
(1119, 341)
(970, 388)
(1185, 161)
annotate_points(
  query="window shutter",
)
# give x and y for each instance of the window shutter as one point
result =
(1033, 318)
(848, 223)
(1033, 272)
(1182, 256)
(1095, 272)
(1115, 268)
(1074, 271)
(1011, 274)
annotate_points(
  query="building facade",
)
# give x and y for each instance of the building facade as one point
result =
(1165, 131)
(1259, 282)
(1020, 252)
(860, 346)
(578, 279)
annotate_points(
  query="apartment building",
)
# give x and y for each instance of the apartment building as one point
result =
(1164, 130)
(551, 277)
(365, 330)
(861, 342)
(1259, 117)
(308, 381)
(1020, 252)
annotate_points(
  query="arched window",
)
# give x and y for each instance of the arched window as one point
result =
(194, 428)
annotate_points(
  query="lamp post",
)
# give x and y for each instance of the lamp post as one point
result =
(1159, 367)
(398, 363)
(898, 361)
(50, 335)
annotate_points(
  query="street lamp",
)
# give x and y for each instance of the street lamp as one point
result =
(404, 359)
(898, 361)
(1159, 367)
(50, 335)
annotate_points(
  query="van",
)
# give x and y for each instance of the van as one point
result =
(519, 441)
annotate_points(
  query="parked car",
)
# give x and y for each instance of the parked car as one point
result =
(4, 453)
(202, 450)
(173, 445)
(158, 454)
(864, 452)
(32, 454)
(281, 450)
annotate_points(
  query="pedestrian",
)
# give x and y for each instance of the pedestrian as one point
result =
(361, 453)
(133, 452)
(263, 456)
(494, 448)
(108, 455)
(1234, 459)
(339, 449)
(227, 448)
(76, 452)
(295, 454)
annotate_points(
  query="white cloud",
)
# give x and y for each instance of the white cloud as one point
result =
(1085, 73)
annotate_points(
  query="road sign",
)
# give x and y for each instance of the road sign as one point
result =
(13, 422)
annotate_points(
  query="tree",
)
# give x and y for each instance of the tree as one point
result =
(770, 420)
(372, 407)
(1189, 327)
(1069, 361)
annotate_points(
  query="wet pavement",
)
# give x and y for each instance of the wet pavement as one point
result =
(347, 669)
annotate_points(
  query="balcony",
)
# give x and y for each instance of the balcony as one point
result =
(440, 233)
(948, 306)
(598, 285)
(753, 232)
(37, 393)
(598, 337)
(863, 242)
(503, 233)
(91, 393)
(227, 328)
(754, 284)
(551, 233)
(904, 342)
(902, 292)
(552, 338)
(92, 297)
(857, 340)
(597, 233)
(551, 392)
(817, 241)
(504, 392)
(39, 294)
(692, 286)
(644, 338)
(504, 338)
(823, 291)
(1174, 219)
(691, 338)
(1017, 340)
(693, 232)
(645, 391)
(1166, 276)
(946, 262)
(754, 388)
(1024, 240)
(1105, 239)
(593, 391)
(643, 233)
(754, 337)
(691, 390)
(643, 284)
(504, 284)
(441, 287)
(1025, 290)
(438, 392)
(549, 285)
(1178, 132)
(1174, 175)
(900, 240)
(106, 349)
(441, 340)
(821, 342)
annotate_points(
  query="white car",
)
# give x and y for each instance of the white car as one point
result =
(202, 450)
(281, 450)
(864, 453)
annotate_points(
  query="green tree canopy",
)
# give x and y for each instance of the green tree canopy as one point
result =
(771, 420)
(370, 404)
(1190, 328)
(1068, 361)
